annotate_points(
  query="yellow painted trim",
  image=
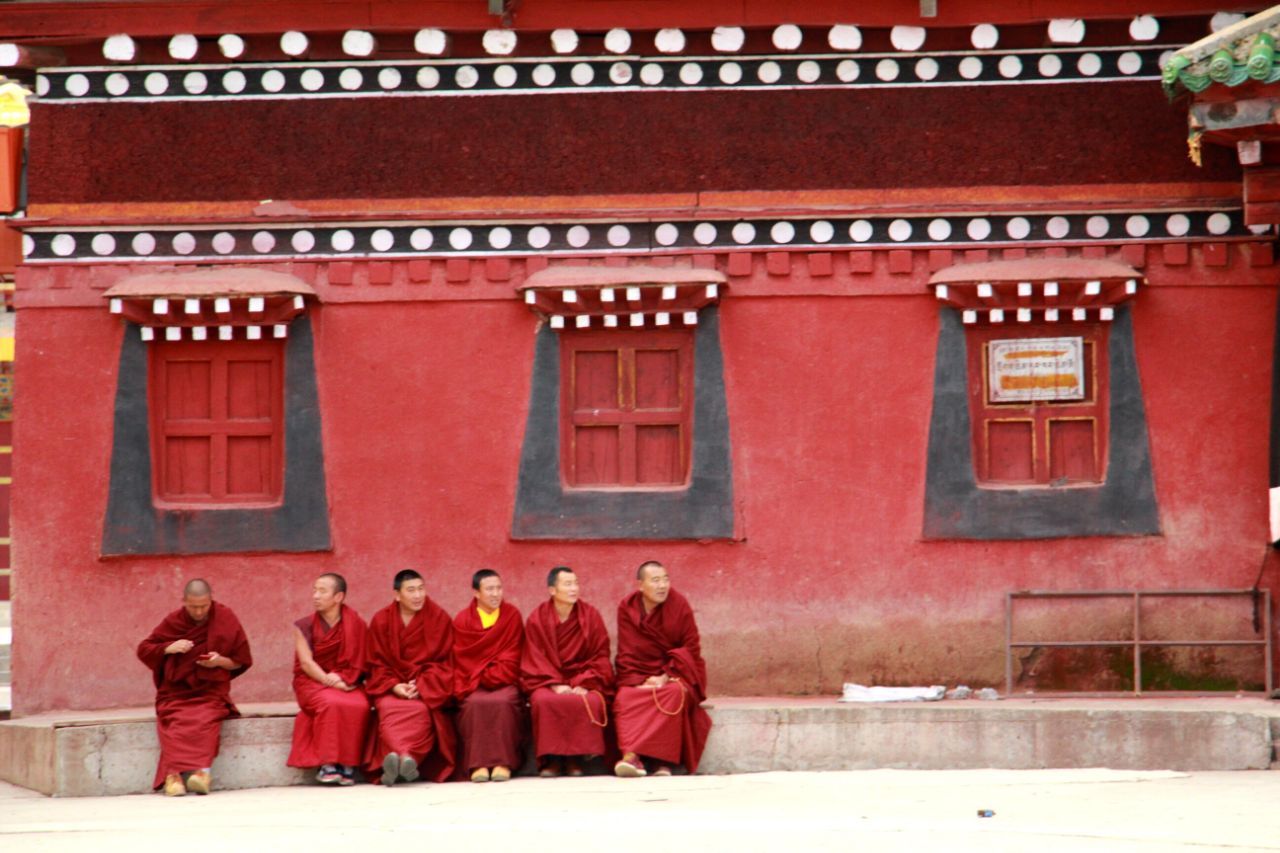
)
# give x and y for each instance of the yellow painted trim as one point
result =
(4, 540)
(6, 481)
(6, 448)
(6, 349)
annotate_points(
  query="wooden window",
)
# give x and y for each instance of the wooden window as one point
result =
(626, 408)
(217, 423)
(1050, 442)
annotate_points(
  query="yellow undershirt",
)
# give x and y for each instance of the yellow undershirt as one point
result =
(488, 620)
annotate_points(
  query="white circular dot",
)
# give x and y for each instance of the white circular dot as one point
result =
(669, 41)
(544, 74)
(1049, 65)
(844, 37)
(926, 69)
(1089, 64)
(303, 241)
(821, 231)
(351, 78)
(1066, 30)
(1218, 223)
(1137, 226)
(460, 238)
(431, 41)
(666, 233)
(358, 43)
(970, 67)
(499, 42)
(294, 43)
(728, 39)
(263, 242)
(389, 78)
(782, 232)
(1058, 227)
(1177, 225)
(769, 72)
(651, 74)
(907, 38)
(382, 240)
(156, 83)
(978, 229)
(143, 243)
(1010, 67)
(342, 240)
(103, 244)
(500, 237)
(899, 230)
(28, 245)
(234, 82)
(564, 41)
(1222, 20)
(787, 37)
(619, 235)
(1130, 62)
(887, 70)
(224, 243)
(847, 71)
(312, 79)
(77, 85)
(808, 71)
(505, 76)
(620, 73)
(195, 82)
(861, 231)
(578, 236)
(421, 239)
(63, 245)
(1165, 56)
(617, 40)
(743, 232)
(42, 85)
(1097, 226)
(1018, 227)
(273, 81)
(1144, 28)
(466, 76)
(691, 73)
(939, 229)
(230, 45)
(184, 242)
(704, 233)
(428, 77)
(582, 74)
(539, 237)
(117, 83)
(984, 36)
(119, 48)
(730, 73)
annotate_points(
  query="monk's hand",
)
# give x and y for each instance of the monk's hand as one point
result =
(657, 680)
(342, 685)
(178, 647)
(581, 691)
(209, 660)
(560, 688)
(405, 691)
(332, 679)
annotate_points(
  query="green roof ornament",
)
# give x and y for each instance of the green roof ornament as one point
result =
(1221, 66)
(1262, 57)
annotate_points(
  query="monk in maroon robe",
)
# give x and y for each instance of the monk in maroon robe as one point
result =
(329, 664)
(662, 679)
(566, 672)
(193, 655)
(488, 637)
(411, 682)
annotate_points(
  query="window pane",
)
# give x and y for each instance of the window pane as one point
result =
(248, 389)
(1071, 452)
(595, 377)
(658, 455)
(186, 467)
(596, 455)
(248, 466)
(188, 386)
(657, 379)
(1009, 451)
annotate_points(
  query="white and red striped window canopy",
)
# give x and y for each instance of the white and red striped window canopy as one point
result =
(1036, 289)
(585, 297)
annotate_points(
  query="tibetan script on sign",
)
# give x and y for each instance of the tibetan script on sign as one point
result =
(1029, 369)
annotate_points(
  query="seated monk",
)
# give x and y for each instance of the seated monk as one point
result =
(411, 682)
(487, 640)
(329, 663)
(566, 672)
(662, 679)
(193, 655)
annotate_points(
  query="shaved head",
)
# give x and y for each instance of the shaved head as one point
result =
(197, 588)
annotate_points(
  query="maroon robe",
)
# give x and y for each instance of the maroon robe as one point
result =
(486, 668)
(192, 701)
(422, 653)
(574, 652)
(332, 725)
(666, 723)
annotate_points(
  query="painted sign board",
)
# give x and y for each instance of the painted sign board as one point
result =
(1025, 370)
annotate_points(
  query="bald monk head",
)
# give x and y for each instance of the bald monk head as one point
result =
(411, 592)
(327, 594)
(197, 598)
(487, 587)
(653, 582)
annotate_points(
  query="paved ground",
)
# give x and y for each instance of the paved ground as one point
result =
(1035, 810)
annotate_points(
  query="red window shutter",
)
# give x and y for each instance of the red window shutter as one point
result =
(627, 408)
(217, 420)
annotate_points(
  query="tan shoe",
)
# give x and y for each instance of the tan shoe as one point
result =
(480, 774)
(629, 767)
(199, 782)
(500, 773)
(661, 770)
(173, 786)
(572, 767)
(551, 769)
